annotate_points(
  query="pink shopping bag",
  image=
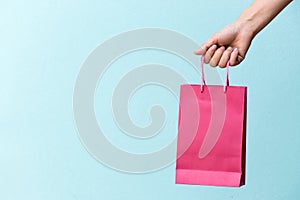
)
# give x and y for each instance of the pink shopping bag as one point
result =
(211, 141)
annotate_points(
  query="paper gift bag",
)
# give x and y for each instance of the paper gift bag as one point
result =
(211, 141)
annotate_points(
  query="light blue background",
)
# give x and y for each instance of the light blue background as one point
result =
(44, 43)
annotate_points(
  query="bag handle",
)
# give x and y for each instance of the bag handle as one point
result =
(203, 79)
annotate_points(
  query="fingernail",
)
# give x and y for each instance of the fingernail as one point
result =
(235, 49)
(229, 48)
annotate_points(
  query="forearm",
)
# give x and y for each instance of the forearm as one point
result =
(260, 13)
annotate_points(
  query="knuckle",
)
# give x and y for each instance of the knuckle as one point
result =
(213, 63)
(221, 65)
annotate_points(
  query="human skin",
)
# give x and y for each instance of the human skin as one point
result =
(233, 41)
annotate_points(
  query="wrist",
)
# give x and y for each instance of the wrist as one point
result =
(259, 14)
(247, 27)
(250, 22)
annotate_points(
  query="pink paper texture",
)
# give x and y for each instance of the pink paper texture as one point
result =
(211, 136)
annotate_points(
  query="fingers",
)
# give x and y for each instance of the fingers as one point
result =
(204, 47)
(234, 57)
(215, 59)
(209, 54)
(200, 51)
(220, 56)
(225, 57)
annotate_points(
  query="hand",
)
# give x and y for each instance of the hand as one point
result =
(229, 44)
